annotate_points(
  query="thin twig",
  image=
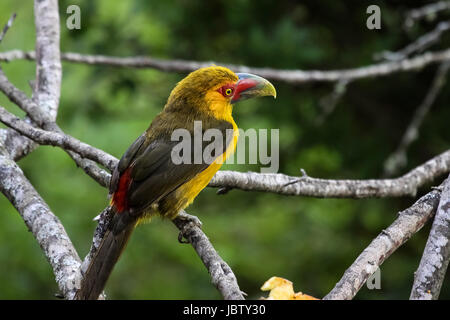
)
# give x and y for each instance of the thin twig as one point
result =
(16, 145)
(398, 159)
(20, 99)
(419, 45)
(329, 102)
(429, 11)
(289, 76)
(7, 26)
(43, 120)
(53, 138)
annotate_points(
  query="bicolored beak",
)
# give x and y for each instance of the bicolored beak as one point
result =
(251, 86)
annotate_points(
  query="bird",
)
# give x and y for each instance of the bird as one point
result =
(147, 182)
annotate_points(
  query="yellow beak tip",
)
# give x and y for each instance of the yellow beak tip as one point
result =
(269, 89)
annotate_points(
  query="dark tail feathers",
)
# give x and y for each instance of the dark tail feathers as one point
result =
(101, 266)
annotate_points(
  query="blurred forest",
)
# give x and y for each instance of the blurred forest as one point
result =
(308, 241)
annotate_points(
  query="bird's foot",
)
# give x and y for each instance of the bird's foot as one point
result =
(438, 188)
(223, 190)
(185, 222)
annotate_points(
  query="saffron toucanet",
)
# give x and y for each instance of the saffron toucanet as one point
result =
(147, 182)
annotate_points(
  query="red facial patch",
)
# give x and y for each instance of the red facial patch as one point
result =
(227, 90)
(119, 199)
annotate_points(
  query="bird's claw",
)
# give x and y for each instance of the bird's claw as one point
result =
(438, 188)
(223, 190)
(189, 221)
(181, 238)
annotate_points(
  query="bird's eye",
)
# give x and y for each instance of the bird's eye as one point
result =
(227, 91)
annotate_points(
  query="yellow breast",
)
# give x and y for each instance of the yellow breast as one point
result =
(188, 191)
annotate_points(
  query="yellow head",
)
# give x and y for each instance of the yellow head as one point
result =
(214, 90)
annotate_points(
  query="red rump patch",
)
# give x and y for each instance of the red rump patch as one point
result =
(119, 199)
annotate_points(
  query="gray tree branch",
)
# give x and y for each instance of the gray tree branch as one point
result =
(419, 45)
(430, 275)
(16, 145)
(53, 138)
(289, 76)
(35, 115)
(427, 11)
(48, 57)
(405, 185)
(252, 181)
(7, 26)
(45, 226)
(407, 223)
(19, 98)
(222, 276)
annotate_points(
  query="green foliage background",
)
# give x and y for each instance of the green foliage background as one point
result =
(309, 241)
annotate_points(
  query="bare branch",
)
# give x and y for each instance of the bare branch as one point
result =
(289, 76)
(88, 166)
(405, 185)
(45, 226)
(330, 101)
(48, 77)
(408, 222)
(103, 220)
(398, 159)
(91, 169)
(277, 183)
(16, 145)
(251, 181)
(20, 99)
(64, 141)
(48, 61)
(428, 11)
(7, 26)
(430, 275)
(221, 274)
(421, 44)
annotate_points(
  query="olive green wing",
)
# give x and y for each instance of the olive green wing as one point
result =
(154, 170)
